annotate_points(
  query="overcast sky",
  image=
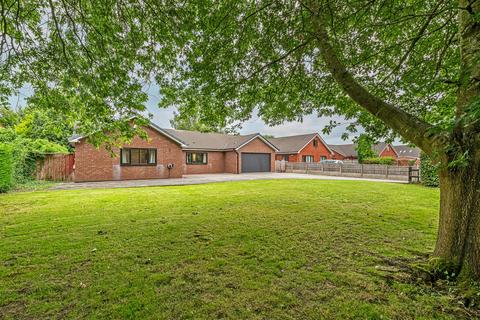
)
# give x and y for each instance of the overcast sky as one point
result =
(310, 123)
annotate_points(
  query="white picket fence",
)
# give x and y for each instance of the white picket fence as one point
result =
(374, 171)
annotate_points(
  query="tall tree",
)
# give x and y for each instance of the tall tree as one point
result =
(408, 68)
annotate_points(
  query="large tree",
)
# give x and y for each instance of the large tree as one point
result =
(407, 68)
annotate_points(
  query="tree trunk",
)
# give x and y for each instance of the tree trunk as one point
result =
(458, 241)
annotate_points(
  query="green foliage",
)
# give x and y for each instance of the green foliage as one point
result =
(6, 167)
(7, 134)
(428, 171)
(44, 123)
(380, 160)
(8, 117)
(26, 152)
(364, 147)
(25, 155)
(191, 120)
(233, 59)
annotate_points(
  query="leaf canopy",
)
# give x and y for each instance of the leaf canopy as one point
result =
(230, 59)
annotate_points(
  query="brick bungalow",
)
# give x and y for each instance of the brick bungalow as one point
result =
(302, 148)
(403, 154)
(169, 153)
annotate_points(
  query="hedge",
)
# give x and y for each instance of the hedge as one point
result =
(379, 160)
(428, 172)
(6, 167)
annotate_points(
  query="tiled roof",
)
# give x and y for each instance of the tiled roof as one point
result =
(211, 141)
(349, 150)
(346, 150)
(407, 151)
(292, 144)
(200, 140)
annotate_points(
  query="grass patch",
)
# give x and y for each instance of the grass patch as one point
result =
(305, 249)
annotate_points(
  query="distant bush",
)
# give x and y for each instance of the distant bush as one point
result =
(6, 167)
(380, 160)
(428, 172)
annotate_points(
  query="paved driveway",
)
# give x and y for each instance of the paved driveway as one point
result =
(202, 179)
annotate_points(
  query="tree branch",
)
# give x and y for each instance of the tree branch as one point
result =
(407, 125)
(59, 31)
(275, 61)
(415, 40)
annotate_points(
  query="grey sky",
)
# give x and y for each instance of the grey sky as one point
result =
(310, 123)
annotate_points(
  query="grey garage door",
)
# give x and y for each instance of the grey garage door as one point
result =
(255, 162)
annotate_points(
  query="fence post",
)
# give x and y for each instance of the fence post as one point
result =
(386, 171)
(341, 165)
(361, 170)
(409, 174)
(323, 169)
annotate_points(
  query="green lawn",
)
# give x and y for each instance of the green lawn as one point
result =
(285, 249)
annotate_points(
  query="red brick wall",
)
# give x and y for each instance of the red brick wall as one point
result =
(337, 156)
(215, 164)
(258, 146)
(310, 150)
(231, 162)
(291, 157)
(317, 152)
(388, 152)
(97, 165)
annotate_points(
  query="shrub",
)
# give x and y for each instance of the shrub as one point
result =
(6, 167)
(25, 152)
(380, 160)
(7, 134)
(428, 172)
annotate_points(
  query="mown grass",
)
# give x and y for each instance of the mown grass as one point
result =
(285, 249)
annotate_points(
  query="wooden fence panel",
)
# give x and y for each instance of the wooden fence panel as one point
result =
(350, 169)
(55, 167)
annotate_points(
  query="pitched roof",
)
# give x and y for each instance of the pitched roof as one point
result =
(214, 141)
(201, 140)
(378, 147)
(76, 137)
(349, 150)
(346, 150)
(407, 151)
(294, 144)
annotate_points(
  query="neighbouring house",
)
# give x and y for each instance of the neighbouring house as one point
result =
(344, 151)
(403, 154)
(302, 148)
(169, 153)
(407, 155)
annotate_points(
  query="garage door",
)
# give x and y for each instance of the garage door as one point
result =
(255, 162)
